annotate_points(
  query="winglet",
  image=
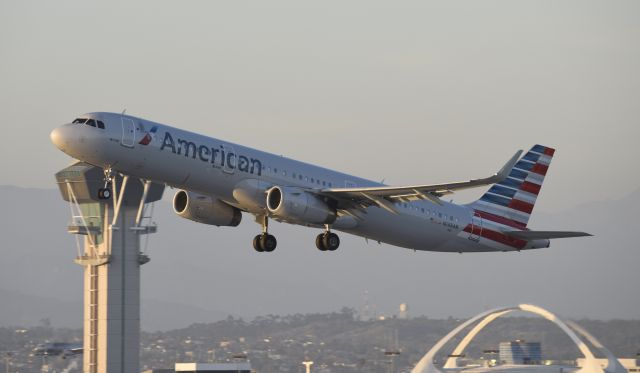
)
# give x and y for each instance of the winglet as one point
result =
(506, 169)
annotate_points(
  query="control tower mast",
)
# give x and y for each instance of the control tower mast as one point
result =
(111, 257)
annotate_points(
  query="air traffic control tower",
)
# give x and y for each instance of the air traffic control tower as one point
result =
(108, 234)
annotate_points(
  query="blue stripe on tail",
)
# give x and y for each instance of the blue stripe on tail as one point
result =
(502, 199)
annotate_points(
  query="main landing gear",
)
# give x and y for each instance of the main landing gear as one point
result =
(264, 242)
(327, 241)
(105, 193)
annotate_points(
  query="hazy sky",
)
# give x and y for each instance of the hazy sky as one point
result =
(411, 91)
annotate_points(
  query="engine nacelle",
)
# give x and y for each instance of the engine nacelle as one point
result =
(295, 204)
(205, 209)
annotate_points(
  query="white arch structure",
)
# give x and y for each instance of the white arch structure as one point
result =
(426, 365)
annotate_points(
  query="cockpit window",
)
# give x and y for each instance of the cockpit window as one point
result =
(89, 122)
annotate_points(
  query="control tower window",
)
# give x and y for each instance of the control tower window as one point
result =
(79, 120)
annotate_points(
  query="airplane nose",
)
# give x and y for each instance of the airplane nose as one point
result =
(57, 138)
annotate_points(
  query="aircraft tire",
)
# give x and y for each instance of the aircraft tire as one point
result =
(104, 193)
(268, 242)
(257, 244)
(331, 241)
(320, 242)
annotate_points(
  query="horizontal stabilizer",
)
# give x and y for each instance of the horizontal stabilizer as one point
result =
(545, 235)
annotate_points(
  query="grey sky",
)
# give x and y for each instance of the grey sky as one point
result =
(412, 91)
(407, 91)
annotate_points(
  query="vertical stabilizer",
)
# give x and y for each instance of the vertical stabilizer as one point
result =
(511, 201)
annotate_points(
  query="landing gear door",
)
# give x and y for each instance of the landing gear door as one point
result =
(128, 132)
(476, 227)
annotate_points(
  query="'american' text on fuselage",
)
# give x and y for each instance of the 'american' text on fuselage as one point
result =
(215, 156)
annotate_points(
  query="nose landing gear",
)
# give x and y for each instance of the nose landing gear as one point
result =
(105, 193)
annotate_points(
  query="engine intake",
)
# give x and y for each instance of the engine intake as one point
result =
(205, 209)
(297, 205)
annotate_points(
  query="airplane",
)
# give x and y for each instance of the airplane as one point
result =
(61, 349)
(217, 181)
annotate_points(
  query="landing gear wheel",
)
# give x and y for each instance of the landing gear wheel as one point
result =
(268, 242)
(320, 243)
(256, 243)
(331, 241)
(104, 193)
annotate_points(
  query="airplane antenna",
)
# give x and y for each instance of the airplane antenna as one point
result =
(124, 111)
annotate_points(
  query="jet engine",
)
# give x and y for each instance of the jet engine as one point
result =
(205, 209)
(295, 204)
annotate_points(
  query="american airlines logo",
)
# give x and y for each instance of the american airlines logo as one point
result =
(149, 136)
(217, 156)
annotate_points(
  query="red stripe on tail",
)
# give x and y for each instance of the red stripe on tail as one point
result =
(530, 187)
(540, 169)
(500, 220)
(499, 237)
(521, 206)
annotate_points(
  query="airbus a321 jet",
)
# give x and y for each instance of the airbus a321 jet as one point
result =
(218, 181)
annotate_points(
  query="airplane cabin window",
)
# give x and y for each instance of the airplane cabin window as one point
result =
(100, 125)
(91, 123)
(79, 120)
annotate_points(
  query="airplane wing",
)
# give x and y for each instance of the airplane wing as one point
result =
(544, 235)
(386, 196)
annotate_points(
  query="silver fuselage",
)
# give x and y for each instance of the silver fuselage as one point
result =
(216, 168)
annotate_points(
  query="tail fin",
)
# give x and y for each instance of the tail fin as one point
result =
(514, 197)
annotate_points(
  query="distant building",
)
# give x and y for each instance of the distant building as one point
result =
(404, 311)
(243, 367)
(520, 352)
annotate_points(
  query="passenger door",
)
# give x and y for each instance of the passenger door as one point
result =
(128, 133)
